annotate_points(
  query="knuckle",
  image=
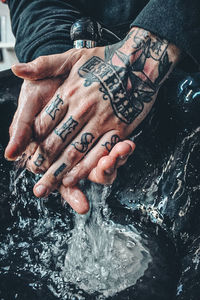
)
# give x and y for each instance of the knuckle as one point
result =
(74, 56)
(34, 169)
(40, 60)
(31, 148)
(38, 64)
(87, 106)
(40, 127)
(77, 53)
(49, 148)
(68, 92)
(37, 128)
(75, 175)
(80, 171)
(72, 156)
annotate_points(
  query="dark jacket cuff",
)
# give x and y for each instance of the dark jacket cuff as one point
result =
(177, 21)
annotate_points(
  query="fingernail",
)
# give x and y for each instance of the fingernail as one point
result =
(40, 190)
(20, 66)
(11, 151)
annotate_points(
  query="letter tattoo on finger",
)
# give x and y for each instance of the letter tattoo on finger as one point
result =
(60, 170)
(114, 140)
(39, 161)
(53, 108)
(66, 128)
(83, 145)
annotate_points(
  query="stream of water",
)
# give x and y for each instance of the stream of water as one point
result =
(94, 255)
(104, 256)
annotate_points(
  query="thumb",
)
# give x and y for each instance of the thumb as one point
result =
(47, 66)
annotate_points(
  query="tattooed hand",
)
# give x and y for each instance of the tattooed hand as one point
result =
(33, 97)
(108, 92)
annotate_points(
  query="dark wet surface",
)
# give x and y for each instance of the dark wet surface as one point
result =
(157, 192)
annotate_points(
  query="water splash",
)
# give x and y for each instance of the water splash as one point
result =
(94, 256)
(60, 255)
(104, 256)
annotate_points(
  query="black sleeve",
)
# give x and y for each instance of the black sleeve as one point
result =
(42, 27)
(178, 21)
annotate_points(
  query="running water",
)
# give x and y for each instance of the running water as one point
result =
(104, 256)
(48, 252)
(96, 256)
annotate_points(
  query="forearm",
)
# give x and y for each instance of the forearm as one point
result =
(42, 27)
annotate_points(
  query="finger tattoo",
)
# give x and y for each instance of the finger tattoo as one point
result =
(66, 128)
(60, 169)
(53, 108)
(114, 140)
(39, 161)
(83, 145)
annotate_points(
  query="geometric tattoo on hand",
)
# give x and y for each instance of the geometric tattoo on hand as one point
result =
(83, 145)
(39, 161)
(52, 109)
(114, 140)
(66, 128)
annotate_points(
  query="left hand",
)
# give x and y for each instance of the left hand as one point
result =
(21, 132)
(34, 95)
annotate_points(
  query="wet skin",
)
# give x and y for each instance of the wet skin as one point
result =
(97, 97)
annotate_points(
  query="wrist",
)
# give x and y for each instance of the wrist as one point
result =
(151, 55)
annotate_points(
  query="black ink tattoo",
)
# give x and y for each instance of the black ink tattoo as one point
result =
(111, 86)
(114, 140)
(66, 128)
(83, 145)
(53, 108)
(60, 170)
(128, 85)
(39, 161)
